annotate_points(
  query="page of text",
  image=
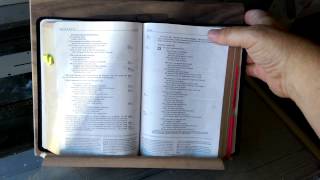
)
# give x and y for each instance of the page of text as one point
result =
(182, 91)
(98, 74)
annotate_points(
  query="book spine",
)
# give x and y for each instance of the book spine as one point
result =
(232, 118)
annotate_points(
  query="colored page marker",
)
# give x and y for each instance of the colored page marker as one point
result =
(48, 58)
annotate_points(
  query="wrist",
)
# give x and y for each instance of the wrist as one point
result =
(304, 84)
(303, 72)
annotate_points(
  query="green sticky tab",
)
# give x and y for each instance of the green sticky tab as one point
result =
(48, 58)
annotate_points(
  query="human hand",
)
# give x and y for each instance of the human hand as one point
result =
(288, 64)
(272, 53)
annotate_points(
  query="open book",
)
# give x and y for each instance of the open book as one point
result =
(126, 88)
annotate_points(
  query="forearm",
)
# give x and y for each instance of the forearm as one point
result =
(304, 82)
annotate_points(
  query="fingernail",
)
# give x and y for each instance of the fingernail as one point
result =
(213, 34)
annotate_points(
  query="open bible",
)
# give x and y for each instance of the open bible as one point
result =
(127, 88)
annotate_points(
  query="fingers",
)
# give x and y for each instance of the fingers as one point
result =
(259, 17)
(256, 71)
(233, 36)
(249, 60)
(244, 37)
(256, 17)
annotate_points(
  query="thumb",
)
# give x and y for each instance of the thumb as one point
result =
(243, 37)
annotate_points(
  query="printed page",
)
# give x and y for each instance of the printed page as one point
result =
(98, 86)
(182, 91)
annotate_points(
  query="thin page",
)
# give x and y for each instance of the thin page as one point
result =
(98, 86)
(48, 83)
(183, 85)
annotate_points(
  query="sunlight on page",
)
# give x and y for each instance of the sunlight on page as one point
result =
(98, 88)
